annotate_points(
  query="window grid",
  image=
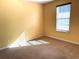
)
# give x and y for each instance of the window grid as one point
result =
(63, 18)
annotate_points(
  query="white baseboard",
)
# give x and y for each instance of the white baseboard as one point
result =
(64, 40)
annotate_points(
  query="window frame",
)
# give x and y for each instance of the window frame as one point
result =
(69, 18)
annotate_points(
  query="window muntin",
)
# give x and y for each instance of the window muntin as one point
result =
(63, 17)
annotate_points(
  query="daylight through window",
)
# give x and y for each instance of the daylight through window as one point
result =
(63, 17)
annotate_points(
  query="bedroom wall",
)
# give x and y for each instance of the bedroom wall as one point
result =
(50, 21)
(17, 16)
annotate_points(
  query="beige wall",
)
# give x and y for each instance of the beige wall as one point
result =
(17, 16)
(50, 20)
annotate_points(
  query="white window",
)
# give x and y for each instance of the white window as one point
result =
(63, 17)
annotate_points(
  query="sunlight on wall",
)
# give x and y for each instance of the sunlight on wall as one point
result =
(21, 41)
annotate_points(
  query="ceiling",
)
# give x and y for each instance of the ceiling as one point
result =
(40, 1)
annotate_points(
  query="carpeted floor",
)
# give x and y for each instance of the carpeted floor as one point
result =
(54, 49)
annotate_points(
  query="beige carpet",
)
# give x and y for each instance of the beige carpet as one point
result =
(54, 50)
(33, 52)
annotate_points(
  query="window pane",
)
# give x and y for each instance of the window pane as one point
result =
(63, 18)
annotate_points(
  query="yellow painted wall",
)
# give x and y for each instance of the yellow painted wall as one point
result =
(50, 20)
(17, 16)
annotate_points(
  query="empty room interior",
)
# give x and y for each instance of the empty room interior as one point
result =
(39, 29)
